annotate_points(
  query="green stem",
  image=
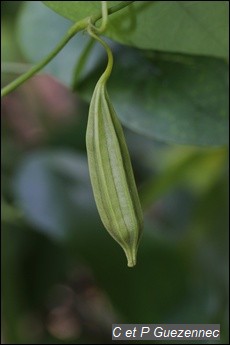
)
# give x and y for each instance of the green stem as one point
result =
(20, 80)
(81, 25)
(109, 67)
(104, 12)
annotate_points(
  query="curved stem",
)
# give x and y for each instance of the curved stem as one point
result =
(81, 25)
(109, 66)
(20, 80)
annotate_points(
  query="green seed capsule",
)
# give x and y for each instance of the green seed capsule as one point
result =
(111, 172)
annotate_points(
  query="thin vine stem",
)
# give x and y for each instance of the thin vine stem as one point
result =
(104, 11)
(20, 80)
(91, 30)
(79, 26)
(98, 30)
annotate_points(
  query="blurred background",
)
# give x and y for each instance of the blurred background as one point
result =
(64, 280)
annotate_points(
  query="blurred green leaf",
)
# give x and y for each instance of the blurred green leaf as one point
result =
(76, 10)
(173, 98)
(8, 47)
(54, 192)
(192, 27)
(37, 41)
(184, 171)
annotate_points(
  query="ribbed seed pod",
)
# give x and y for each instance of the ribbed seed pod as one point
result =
(111, 174)
(110, 168)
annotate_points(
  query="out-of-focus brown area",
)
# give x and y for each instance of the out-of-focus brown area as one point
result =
(38, 107)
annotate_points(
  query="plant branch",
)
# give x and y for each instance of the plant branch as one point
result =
(20, 80)
(79, 26)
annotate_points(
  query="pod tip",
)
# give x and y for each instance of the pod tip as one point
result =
(131, 260)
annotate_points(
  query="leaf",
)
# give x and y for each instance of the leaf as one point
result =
(54, 192)
(192, 27)
(76, 10)
(169, 97)
(182, 171)
(45, 31)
